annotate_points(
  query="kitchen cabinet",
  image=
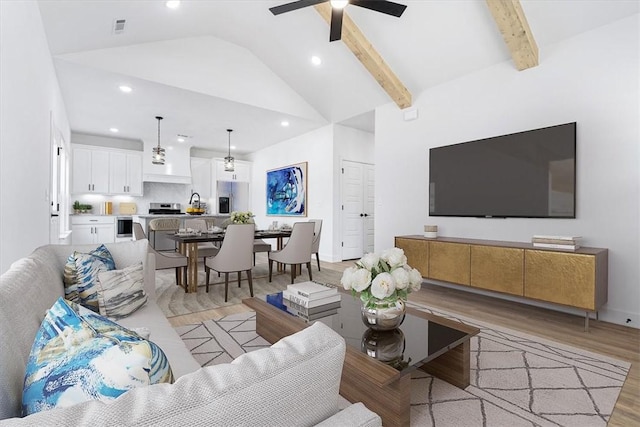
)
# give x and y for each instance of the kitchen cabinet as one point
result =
(90, 229)
(125, 173)
(201, 181)
(242, 172)
(90, 171)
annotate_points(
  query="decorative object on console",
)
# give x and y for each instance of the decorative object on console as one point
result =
(79, 356)
(229, 162)
(569, 243)
(383, 282)
(431, 231)
(287, 190)
(238, 217)
(158, 152)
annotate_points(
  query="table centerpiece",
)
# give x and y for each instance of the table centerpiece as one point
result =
(383, 283)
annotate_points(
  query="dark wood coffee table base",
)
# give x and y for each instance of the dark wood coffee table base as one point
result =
(364, 379)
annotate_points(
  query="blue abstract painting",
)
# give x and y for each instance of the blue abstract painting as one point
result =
(287, 190)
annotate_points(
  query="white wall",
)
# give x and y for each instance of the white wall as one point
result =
(315, 148)
(592, 79)
(30, 99)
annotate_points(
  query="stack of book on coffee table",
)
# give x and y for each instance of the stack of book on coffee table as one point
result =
(311, 300)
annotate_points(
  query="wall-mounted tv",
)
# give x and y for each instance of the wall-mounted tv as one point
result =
(529, 174)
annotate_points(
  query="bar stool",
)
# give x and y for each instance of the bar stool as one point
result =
(162, 224)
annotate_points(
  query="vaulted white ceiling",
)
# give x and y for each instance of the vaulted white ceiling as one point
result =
(213, 65)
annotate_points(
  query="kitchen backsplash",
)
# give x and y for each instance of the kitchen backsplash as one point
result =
(154, 192)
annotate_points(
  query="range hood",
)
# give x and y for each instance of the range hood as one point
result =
(177, 167)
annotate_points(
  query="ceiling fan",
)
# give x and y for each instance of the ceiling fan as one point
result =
(383, 6)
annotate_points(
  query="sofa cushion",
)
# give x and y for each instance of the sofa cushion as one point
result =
(79, 356)
(121, 292)
(295, 382)
(81, 275)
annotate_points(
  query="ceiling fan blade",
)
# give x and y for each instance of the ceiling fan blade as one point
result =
(336, 24)
(277, 10)
(388, 7)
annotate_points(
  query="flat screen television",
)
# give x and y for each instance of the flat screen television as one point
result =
(529, 174)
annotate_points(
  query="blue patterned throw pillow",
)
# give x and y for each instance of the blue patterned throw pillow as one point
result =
(79, 355)
(81, 274)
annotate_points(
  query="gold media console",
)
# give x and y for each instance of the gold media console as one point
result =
(575, 279)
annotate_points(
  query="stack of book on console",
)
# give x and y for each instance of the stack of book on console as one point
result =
(311, 300)
(567, 243)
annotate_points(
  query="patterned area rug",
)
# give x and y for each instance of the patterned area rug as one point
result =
(174, 301)
(516, 379)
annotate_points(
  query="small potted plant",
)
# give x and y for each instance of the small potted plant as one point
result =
(76, 207)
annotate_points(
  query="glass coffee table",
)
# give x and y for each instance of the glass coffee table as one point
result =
(378, 364)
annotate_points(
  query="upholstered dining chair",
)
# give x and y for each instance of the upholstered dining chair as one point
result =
(235, 255)
(315, 247)
(297, 251)
(165, 260)
(159, 225)
(205, 249)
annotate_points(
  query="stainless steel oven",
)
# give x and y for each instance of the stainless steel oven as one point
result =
(124, 226)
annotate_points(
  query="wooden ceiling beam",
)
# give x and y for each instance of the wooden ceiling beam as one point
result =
(353, 38)
(515, 30)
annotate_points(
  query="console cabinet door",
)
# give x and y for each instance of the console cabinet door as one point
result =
(562, 278)
(497, 269)
(417, 253)
(449, 262)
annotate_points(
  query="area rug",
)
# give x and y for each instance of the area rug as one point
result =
(173, 300)
(516, 379)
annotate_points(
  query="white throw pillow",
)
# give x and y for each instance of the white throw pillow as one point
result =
(121, 292)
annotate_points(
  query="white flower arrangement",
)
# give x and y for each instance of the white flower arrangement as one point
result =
(385, 277)
(238, 217)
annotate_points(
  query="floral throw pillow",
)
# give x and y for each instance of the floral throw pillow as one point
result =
(79, 355)
(121, 292)
(81, 275)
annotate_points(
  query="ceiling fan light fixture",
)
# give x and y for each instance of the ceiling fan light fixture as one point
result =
(158, 153)
(339, 4)
(229, 162)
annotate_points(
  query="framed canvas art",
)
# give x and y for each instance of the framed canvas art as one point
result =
(287, 190)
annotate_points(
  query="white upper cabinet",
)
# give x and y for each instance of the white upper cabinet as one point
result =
(125, 173)
(201, 181)
(242, 172)
(106, 171)
(90, 169)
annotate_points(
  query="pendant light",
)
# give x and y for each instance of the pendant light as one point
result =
(158, 152)
(229, 161)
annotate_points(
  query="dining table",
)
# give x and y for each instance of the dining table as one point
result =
(188, 245)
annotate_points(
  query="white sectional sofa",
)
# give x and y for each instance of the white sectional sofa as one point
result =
(294, 382)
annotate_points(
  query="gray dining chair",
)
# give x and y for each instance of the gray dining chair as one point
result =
(235, 255)
(315, 247)
(297, 251)
(165, 260)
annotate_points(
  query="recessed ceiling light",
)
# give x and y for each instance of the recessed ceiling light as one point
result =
(284, 123)
(233, 147)
(114, 130)
(315, 60)
(339, 4)
(173, 4)
(125, 89)
(180, 139)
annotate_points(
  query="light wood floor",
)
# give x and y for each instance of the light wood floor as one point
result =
(616, 341)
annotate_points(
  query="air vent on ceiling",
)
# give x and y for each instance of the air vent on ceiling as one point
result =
(118, 26)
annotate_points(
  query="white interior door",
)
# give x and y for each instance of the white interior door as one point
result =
(357, 209)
